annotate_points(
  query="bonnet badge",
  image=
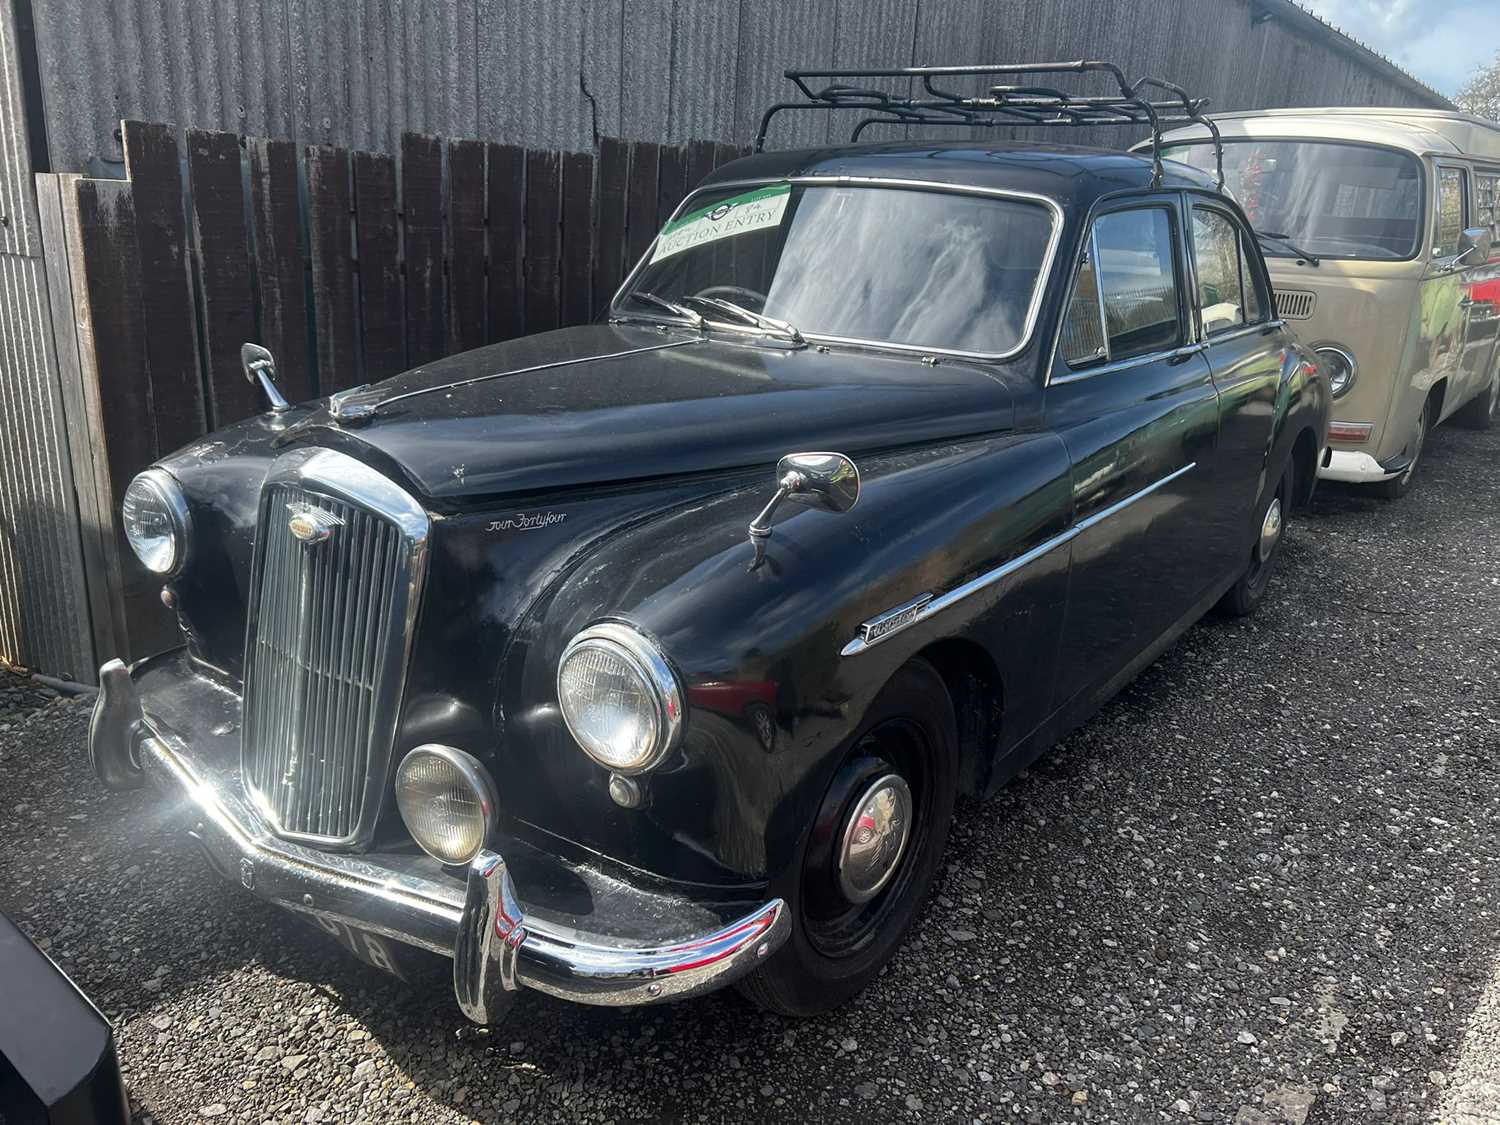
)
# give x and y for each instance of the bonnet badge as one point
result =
(310, 524)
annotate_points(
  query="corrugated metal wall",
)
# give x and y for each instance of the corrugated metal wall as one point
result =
(44, 619)
(551, 72)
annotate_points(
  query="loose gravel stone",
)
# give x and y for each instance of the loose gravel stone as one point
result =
(1299, 806)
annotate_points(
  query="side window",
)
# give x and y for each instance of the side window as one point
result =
(1228, 293)
(1124, 299)
(1487, 202)
(1450, 211)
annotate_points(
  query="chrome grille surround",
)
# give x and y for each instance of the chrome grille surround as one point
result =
(326, 645)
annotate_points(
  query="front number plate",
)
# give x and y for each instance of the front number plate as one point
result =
(370, 948)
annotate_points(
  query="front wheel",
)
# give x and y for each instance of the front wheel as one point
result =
(1245, 595)
(1479, 413)
(1400, 484)
(873, 852)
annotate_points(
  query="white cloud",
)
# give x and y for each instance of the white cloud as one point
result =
(1442, 42)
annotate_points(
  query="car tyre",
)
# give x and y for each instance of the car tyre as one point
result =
(1245, 596)
(1479, 413)
(1400, 484)
(837, 947)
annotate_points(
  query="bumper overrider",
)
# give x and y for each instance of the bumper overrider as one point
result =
(497, 946)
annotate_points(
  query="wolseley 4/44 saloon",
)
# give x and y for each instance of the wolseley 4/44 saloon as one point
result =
(626, 661)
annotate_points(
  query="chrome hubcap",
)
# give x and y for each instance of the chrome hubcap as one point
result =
(874, 837)
(1270, 529)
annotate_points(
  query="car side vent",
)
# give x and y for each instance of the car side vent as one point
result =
(1294, 304)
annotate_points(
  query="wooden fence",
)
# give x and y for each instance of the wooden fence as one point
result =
(350, 266)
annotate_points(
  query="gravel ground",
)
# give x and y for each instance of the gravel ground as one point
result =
(1260, 887)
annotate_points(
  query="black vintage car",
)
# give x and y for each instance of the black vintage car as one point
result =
(626, 661)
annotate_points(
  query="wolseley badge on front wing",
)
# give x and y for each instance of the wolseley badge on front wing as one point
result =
(309, 524)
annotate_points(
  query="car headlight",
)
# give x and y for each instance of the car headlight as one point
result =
(447, 802)
(619, 697)
(155, 516)
(1341, 368)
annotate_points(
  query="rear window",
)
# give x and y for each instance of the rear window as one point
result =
(1334, 200)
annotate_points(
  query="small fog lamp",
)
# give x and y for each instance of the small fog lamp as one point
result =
(447, 801)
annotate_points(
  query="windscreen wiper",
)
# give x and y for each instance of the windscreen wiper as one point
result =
(648, 298)
(759, 320)
(1276, 236)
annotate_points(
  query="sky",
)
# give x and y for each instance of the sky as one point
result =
(1442, 42)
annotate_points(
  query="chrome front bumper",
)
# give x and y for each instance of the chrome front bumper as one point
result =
(496, 946)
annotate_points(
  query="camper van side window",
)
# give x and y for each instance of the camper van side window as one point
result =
(1450, 211)
(1487, 202)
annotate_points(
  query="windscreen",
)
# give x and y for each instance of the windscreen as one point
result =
(902, 266)
(1333, 200)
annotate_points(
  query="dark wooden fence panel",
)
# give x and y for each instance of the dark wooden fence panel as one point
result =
(154, 168)
(349, 266)
(505, 197)
(281, 275)
(543, 186)
(223, 253)
(466, 215)
(382, 306)
(422, 210)
(330, 231)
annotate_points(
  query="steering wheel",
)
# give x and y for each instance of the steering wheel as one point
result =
(755, 302)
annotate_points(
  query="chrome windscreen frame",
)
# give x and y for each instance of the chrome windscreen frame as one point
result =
(1033, 310)
(335, 474)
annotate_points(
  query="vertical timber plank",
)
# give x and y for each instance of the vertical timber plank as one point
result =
(329, 231)
(105, 616)
(543, 185)
(701, 160)
(672, 182)
(218, 200)
(281, 280)
(105, 264)
(466, 301)
(724, 153)
(422, 210)
(505, 201)
(154, 168)
(576, 271)
(609, 210)
(640, 198)
(382, 309)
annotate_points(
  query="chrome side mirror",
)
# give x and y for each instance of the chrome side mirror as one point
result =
(826, 481)
(1473, 243)
(260, 367)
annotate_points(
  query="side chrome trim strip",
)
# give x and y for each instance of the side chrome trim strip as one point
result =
(887, 624)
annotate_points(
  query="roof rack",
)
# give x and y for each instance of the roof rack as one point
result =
(1006, 106)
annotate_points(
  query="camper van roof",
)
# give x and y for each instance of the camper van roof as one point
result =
(1416, 130)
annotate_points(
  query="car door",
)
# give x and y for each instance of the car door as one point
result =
(1245, 353)
(1481, 282)
(1131, 396)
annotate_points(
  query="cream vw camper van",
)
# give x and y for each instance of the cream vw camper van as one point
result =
(1380, 230)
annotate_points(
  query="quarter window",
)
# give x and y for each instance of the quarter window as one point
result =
(1228, 295)
(1124, 301)
(1450, 214)
(1487, 202)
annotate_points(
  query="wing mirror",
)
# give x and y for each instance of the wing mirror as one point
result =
(260, 367)
(828, 482)
(1473, 248)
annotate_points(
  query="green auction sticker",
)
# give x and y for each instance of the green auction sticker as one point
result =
(739, 214)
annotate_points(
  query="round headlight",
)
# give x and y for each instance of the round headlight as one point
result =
(155, 517)
(619, 697)
(447, 801)
(1341, 368)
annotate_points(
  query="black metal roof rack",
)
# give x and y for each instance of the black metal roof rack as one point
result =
(1006, 106)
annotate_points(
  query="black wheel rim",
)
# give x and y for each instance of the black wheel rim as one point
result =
(836, 927)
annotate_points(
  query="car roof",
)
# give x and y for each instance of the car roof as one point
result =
(1443, 132)
(1070, 175)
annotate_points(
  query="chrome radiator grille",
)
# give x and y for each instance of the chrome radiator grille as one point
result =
(339, 558)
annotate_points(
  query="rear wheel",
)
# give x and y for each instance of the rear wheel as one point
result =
(870, 859)
(1479, 412)
(1400, 484)
(1245, 595)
